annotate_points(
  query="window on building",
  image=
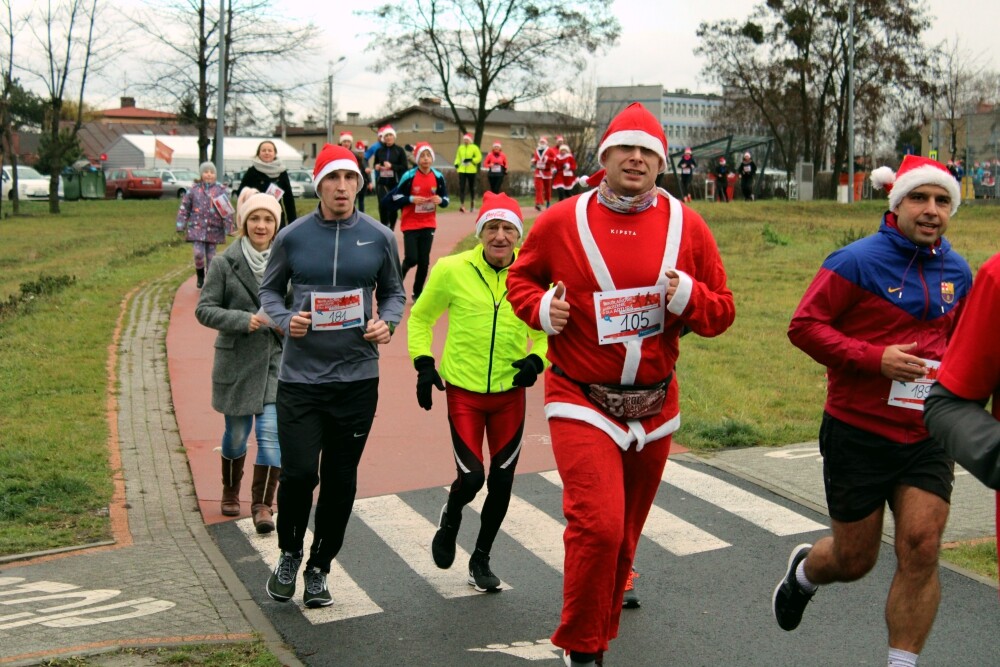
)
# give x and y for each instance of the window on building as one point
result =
(314, 150)
(518, 131)
(416, 127)
(439, 126)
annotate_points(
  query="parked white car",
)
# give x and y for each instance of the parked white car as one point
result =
(30, 183)
(176, 182)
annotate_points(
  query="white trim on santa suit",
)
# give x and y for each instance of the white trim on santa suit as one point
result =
(633, 349)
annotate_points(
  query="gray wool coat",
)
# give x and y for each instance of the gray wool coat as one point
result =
(245, 372)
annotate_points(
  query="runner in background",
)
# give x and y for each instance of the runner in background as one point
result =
(564, 173)
(420, 192)
(467, 159)
(686, 165)
(495, 164)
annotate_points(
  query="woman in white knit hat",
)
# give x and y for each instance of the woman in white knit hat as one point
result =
(247, 356)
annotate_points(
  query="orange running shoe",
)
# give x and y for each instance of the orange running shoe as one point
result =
(631, 599)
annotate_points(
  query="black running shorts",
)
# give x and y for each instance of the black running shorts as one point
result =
(861, 470)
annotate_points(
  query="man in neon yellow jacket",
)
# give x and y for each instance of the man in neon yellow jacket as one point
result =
(487, 365)
(467, 159)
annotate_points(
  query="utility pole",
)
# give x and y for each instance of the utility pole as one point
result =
(281, 117)
(329, 106)
(850, 103)
(220, 121)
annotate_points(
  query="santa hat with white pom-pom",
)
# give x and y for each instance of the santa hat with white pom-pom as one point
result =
(914, 172)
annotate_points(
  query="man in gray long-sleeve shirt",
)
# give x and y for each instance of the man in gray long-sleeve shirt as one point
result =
(338, 262)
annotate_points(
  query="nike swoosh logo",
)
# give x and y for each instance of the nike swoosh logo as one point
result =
(361, 243)
(359, 435)
(893, 290)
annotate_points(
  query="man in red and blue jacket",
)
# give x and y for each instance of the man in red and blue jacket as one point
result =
(879, 315)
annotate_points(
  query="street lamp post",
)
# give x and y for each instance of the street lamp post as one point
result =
(850, 103)
(220, 122)
(329, 100)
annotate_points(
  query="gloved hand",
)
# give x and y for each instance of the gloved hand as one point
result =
(527, 370)
(427, 377)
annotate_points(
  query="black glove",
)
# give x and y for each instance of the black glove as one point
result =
(427, 376)
(527, 370)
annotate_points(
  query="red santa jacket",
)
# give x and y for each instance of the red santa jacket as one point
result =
(591, 248)
(565, 172)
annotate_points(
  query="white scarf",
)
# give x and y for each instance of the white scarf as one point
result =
(270, 169)
(256, 259)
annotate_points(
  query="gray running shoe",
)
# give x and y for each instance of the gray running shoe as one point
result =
(790, 599)
(481, 577)
(281, 583)
(317, 594)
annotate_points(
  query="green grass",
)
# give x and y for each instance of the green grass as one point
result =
(746, 387)
(979, 556)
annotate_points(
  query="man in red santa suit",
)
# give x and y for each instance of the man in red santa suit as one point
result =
(613, 276)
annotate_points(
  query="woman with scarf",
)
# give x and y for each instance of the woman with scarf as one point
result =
(268, 174)
(247, 355)
(204, 218)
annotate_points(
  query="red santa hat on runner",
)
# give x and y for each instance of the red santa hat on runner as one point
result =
(499, 207)
(422, 147)
(346, 136)
(914, 172)
(496, 144)
(387, 130)
(635, 126)
(466, 136)
(332, 158)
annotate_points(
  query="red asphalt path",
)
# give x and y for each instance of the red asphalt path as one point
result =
(409, 448)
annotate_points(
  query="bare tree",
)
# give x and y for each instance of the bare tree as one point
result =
(477, 55)
(66, 37)
(6, 125)
(959, 72)
(259, 40)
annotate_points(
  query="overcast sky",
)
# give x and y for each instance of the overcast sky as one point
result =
(656, 45)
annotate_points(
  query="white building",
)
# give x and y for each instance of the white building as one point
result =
(687, 118)
(139, 150)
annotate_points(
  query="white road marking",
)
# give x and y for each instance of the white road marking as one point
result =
(770, 516)
(349, 600)
(668, 530)
(409, 534)
(534, 529)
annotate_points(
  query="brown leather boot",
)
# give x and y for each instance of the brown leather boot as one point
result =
(265, 482)
(232, 475)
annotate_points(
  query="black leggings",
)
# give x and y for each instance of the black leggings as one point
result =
(469, 179)
(386, 212)
(417, 252)
(685, 185)
(332, 420)
(495, 183)
(500, 417)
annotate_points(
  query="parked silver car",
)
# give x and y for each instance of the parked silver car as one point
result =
(176, 182)
(303, 178)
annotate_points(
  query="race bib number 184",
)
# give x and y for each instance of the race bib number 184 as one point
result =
(629, 314)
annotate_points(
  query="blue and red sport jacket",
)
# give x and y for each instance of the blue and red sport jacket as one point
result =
(878, 291)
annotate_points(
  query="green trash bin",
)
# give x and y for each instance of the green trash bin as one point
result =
(91, 183)
(71, 184)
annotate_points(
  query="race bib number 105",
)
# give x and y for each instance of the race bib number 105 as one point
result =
(629, 314)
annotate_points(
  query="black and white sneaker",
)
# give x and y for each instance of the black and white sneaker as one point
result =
(443, 544)
(281, 583)
(481, 577)
(790, 599)
(317, 594)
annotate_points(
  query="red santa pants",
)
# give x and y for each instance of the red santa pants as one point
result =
(543, 190)
(607, 494)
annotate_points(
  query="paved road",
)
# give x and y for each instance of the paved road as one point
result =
(712, 552)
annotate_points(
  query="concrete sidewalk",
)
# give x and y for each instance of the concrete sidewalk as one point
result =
(163, 581)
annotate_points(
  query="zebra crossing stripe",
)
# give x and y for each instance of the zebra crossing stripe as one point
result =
(668, 530)
(349, 600)
(770, 516)
(409, 534)
(535, 530)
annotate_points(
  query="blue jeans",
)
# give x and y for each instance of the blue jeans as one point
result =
(234, 440)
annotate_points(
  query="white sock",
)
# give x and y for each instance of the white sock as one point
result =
(900, 658)
(800, 576)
